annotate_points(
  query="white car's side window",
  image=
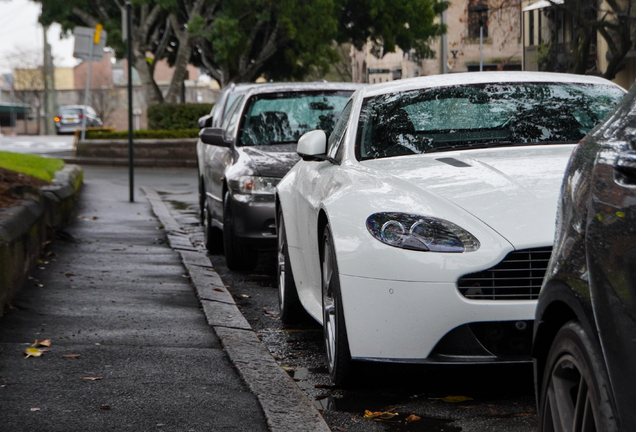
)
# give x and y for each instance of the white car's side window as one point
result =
(335, 139)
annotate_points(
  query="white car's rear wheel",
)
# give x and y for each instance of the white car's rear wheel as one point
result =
(291, 310)
(334, 328)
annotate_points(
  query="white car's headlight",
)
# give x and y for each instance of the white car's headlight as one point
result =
(257, 185)
(421, 233)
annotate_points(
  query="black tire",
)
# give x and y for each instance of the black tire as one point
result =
(575, 390)
(212, 236)
(202, 201)
(334, 326)
(291, 310)
(238, 256)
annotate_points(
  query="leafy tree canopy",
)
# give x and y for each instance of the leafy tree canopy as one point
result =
(239, 40)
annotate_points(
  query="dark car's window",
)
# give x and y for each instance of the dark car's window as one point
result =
(230, 122)
(335, 138)
(483, 115)
(283, 117)
(70, 111)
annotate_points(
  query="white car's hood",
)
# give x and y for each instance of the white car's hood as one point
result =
(512, 190)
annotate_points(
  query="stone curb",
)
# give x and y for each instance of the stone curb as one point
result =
(286, 407)
(25, 228)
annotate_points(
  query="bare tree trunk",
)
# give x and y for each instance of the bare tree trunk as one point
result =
(152, 92)
(186, 42)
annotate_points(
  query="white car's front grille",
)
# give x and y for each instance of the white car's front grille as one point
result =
(518, 277)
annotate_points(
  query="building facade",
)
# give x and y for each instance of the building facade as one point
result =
(494, 23)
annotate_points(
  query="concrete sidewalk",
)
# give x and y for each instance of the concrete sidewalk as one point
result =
(112, 291)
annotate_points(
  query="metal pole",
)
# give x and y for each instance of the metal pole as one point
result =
(481, 48)
(86, 90)
(131, 173)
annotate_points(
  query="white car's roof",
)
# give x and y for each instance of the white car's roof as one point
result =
(432, 81)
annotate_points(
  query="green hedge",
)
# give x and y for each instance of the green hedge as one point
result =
(176, 116)
(141, 134)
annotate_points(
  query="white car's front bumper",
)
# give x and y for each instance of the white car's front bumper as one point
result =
(401, 321)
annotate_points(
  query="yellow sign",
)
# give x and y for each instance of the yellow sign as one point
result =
(98, 33)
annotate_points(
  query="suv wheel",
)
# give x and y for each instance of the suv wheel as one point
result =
(575, 390)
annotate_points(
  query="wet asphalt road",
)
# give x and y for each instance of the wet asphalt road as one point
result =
(501, 397)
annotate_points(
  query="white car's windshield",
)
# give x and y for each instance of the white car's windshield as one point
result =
(283, 117)
(482, 115)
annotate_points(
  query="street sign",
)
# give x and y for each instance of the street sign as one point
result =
(85, 39)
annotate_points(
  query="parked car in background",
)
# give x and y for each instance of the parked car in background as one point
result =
(69, 118)
(420, 230)
(585, 327)
(250, 152)
(214, 120)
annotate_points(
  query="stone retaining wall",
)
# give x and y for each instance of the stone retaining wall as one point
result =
(25, 228)
(180, 152)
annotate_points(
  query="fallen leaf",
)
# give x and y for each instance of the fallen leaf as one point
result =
(246, 295)
(379, 415)
(45, 342)
(4, 383)
(92, 378)
(104, 407)
(32, 352)
(69, 274)
(35, 409)
(412, 418)
(74, 356)
(218, 290)
(455, 399)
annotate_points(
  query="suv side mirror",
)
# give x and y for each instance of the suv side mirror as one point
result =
(205, 121)
(312, 144)
(213, 136)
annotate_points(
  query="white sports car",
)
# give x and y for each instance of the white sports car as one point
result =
(420, 231)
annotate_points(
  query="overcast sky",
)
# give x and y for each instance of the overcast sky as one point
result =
(22, 39)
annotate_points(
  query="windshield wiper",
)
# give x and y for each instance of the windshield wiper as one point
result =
(471, 146)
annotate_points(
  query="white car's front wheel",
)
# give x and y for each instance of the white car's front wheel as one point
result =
(334, 328)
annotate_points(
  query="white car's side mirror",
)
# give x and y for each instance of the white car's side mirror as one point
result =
(312, 143)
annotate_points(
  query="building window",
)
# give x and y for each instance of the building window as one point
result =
(477, 18)
(531, 28)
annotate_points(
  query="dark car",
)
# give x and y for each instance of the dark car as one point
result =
(245, 158)
(70, 117)
(214, 120)
(585, 329)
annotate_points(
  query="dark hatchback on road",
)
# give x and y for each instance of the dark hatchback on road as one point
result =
(70, 117)
(585, 328)
(245, 158)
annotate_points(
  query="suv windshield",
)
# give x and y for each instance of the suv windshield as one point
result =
(279, 118)
(478, 116)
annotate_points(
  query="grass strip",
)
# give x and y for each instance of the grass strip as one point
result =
(40, 167)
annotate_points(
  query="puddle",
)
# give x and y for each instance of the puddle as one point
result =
(178, 205)
(357, 402)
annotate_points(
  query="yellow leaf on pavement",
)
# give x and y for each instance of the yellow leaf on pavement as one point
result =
(32, 352)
